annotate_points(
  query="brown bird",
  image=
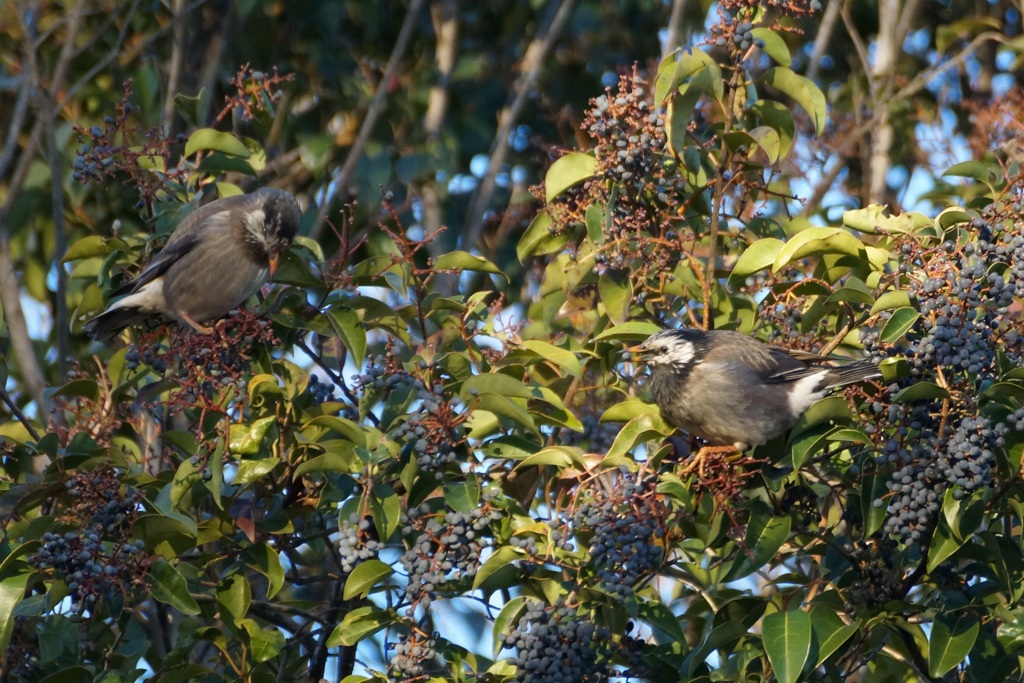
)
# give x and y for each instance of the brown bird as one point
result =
(217, 258)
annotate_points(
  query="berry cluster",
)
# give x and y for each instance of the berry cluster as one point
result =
(356, 542)
(322, 392)
(153, 355)
(411, 652)
(627, 533)
(630, 134)
(876, 579)
(445, 547)
(98, 556)
(964, 289)
(432, 433)
(554, 644)
(742, 35)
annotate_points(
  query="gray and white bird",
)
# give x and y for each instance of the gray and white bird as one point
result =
(217, 258)
(733, 390)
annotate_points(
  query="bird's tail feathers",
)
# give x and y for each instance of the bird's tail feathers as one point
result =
(854, 372)
(109, 324)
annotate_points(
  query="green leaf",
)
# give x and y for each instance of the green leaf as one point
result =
(803, 91)
(765, 535)
(829, 631)
(364, 577)
(922, 391)
(895, 299)
(627, 410)
(774, 46)
(787, 640)
(538, 240)
(562, 358)
(359, 624)
(568, 171)
(875, 219)
(501, 557)
(245, 439)
(638, 430)
(462, 496)
(169, 587)
(595, 219)
(901, 322)
(495, 383)
(91, 247)
(508, 615)
(874, 487)
(346, 324)
(815, 242)
(631, 331)
(616, 289)
(252, 470)
(977, 170)
(264, 643)
(943, 544)
(953, 635)
(12, 589)
(678, 67)
(387, 510)
(463, 260)
(265, 560)
(234, 595)
(213, 140)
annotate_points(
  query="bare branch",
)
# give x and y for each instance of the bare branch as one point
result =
(821, 41)
(530, 67)
(675, 23)
(373, 112)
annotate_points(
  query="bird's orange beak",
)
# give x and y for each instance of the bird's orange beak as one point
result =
(273, 264)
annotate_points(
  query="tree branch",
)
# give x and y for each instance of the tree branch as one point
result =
(373, 112)
(530, 67)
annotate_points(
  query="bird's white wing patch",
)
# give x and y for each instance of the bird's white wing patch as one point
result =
(149, 299)
(805, 391)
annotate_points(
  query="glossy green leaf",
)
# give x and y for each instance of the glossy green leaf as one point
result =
(815, 242)
(952, 637)
(830, 632)
(569, 170)
(561, 357)
(616, 292)
(803, 91)
(787, 641)
(208, 139)
(463, 260)
(629, 331)
(364, 577)
(234, 596)
(12, 589)
(347, 325)
(627, 410)
(901, 322)
(895, 299)
(253, 470)
(758, 256)
(264, 643)
(921, 391)
(169, 587)
(774, 46)
(245, 439)
(875, 219)
(765, 535)
(538, 239)
(359, 624)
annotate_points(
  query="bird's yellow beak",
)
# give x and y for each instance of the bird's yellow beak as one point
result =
(273, 264)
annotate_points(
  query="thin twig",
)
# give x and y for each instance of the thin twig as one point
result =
(19, 416)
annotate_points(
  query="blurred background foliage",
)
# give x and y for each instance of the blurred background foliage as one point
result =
(427, 432)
